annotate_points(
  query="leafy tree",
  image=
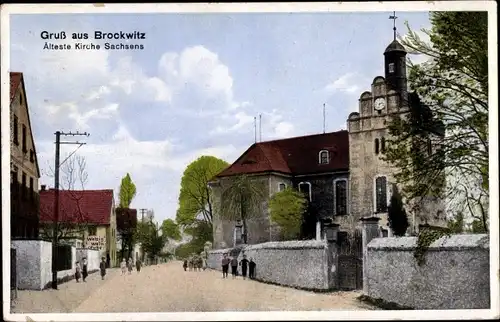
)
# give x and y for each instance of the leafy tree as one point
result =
(127, 191)
(195, 197)
(170, 229)
(396, 214)
(201, 233)
(457, 224)
(477, 227)
(287, 208)
(152, 241)
(242, 200)
(453, 87)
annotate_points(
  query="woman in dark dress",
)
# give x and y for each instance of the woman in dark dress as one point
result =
(85, 271)
(102, 267)
(244, 265)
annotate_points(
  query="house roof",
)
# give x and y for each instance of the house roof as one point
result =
(17, 79)
(77, 206)
(294, 156)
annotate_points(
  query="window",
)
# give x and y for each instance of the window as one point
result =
(20, 99)
(281, 187)
(324, 158)
(382, 143)
(340, 193)
(92, 230)
(305, 188)
(377, 146)
(23, 189)
(380, 194)
(16, 130)
(25, 148)
(31, 187)
(32, 156)
(391, 68)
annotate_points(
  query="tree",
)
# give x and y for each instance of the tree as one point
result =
(241, 200)
(195, 197)
(287, 208)
(127, 191)
(171, 230)
(453, 87)
(396, 214)
(457, 224)
(151, 239)
(73, 219)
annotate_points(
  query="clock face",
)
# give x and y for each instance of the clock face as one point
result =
(379, 104)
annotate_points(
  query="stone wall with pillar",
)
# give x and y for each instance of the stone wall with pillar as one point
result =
(370, 230)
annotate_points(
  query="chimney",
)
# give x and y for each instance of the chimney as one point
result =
(44, 187)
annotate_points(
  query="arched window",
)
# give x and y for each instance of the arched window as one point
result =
(340, 197)
(305, 188)
(324, 157)
(380, 194)
(382, 143)
(377, 146)
(391, 68)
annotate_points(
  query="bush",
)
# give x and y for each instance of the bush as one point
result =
(398, 220)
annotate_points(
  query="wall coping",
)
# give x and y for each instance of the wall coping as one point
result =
(290, 244)
(453, 242)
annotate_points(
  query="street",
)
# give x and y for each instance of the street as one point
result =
(167, 288)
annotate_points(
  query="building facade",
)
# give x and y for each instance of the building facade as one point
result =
(85, 215)
(24, 170)
(342, 174)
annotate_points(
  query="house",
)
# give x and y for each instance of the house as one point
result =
(341, 173)
(87, 215)
(24, 170)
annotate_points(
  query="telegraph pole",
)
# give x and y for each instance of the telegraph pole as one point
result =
(142, 210)
(55, 227)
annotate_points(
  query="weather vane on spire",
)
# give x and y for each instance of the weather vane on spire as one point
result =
(394, 17)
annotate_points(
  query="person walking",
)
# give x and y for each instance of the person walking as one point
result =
(225, 265)
(123, 266)
(85, 271)
(244, 266)
(251, 267)
(138, 265)
(102, 267)
(78, 273)
(185, 265)
(234, 267)
(130, 265)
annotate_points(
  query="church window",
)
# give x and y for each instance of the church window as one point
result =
(381, 194)
(324, 157)
(281, 187)
(382, 145)
(391, 68)
(377, 146)
(340, 197)
(305, 188)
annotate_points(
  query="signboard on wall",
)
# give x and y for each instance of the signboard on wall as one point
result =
(96, 242)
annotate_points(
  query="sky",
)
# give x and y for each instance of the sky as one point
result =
(194, 89)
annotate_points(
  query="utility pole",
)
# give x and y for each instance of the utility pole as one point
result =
(55, 228)
(142, 210)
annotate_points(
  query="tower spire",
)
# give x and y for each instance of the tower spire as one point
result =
(394, 17)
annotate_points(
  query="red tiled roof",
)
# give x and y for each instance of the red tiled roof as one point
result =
(298, 155)
(77, 206)
(15, 80)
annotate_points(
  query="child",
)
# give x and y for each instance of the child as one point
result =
(77, 272)
(251, 266)
(123, 266)
(225, 265)
(130, 266)
(234, 266)
(185, 265)
(102, 267)
(85, 272)
(138, 265)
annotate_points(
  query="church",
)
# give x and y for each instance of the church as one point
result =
(341, 173)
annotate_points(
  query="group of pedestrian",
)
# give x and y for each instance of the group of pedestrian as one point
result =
(246, 265)
(81, 271)
(194, 262)
(129, 265)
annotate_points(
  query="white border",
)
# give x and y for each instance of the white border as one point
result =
(489, 6)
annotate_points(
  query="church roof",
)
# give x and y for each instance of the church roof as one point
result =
(395, 46)
(294, 156)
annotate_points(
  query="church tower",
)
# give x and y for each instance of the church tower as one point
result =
(371, 178)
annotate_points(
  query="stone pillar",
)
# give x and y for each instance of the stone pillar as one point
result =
(331, 236)
(237, 233)
(370, 230)
(318, 230)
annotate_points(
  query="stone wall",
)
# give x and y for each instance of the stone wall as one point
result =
(302, 264)
(456, 274)
(34, 264)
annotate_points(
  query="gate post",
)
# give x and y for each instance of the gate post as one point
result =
(370, 231)
(331, 234)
